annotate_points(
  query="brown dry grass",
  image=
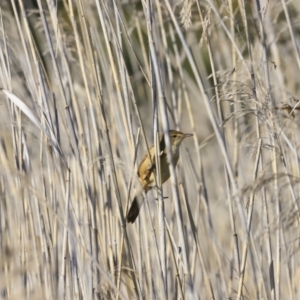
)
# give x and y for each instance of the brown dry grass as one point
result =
(226, 71)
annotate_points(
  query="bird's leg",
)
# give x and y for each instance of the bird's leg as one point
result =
(163, 198)
(150, 169)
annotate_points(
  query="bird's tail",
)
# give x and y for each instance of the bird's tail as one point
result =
(135, 207)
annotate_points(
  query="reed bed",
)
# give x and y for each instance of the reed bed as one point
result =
(86, 88)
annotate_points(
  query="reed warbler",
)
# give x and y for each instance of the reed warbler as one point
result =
(146, 169)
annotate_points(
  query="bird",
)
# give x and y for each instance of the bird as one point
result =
(146, 169)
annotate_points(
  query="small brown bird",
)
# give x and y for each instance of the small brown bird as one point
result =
(146, 169)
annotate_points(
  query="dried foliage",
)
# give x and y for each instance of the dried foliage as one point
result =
(85, 87)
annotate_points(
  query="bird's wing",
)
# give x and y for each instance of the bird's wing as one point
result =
(151, 165)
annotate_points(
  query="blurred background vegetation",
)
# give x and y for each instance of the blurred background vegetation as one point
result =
(85, 84)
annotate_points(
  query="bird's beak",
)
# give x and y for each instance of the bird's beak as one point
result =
(187, 135)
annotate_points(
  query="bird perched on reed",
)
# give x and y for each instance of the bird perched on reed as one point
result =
(146, 169)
